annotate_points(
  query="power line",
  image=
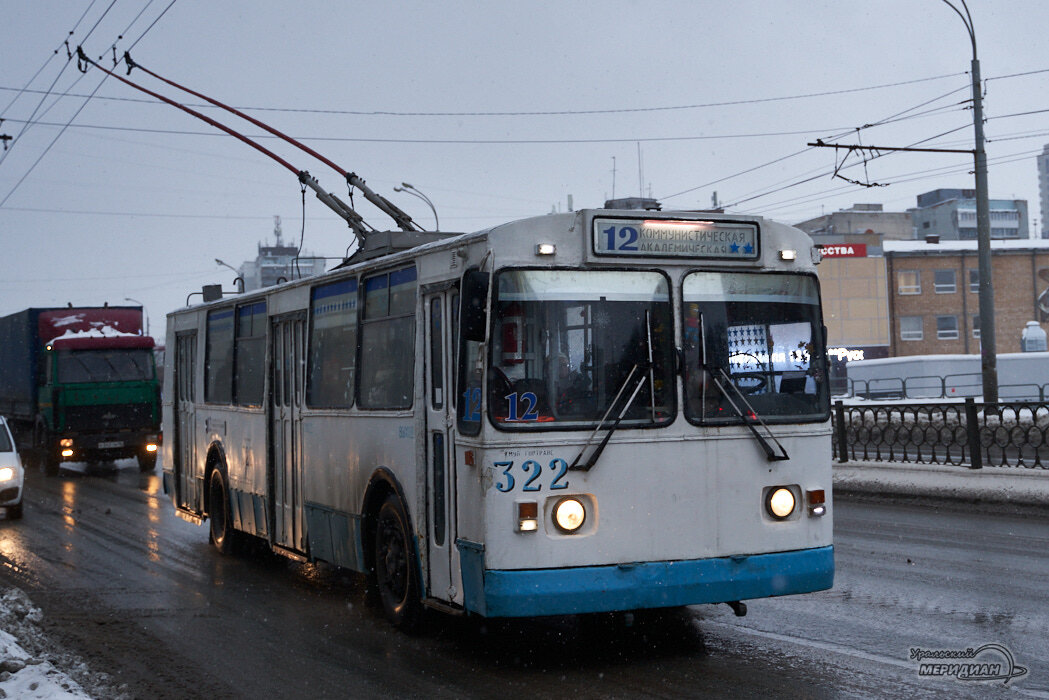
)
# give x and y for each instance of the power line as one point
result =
(559, 112)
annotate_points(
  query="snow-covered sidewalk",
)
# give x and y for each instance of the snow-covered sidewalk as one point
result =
(34, 666)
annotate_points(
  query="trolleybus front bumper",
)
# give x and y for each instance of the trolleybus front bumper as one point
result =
(500, 593)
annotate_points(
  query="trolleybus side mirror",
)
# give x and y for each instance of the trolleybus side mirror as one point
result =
(474, 319)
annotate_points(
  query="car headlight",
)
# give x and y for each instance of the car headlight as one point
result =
(569, 514)
(7, 473)
(780, 502)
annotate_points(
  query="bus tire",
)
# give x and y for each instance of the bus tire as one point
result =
(220, 531)
(396, 576)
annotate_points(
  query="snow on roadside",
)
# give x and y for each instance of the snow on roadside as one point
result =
(34, 666)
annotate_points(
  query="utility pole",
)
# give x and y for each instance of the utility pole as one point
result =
(988, 346)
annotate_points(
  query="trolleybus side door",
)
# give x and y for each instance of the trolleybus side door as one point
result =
(188, 474)
(444, 575)
(287, 356)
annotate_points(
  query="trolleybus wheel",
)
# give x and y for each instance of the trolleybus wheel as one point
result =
(221, 533)
(395, 573)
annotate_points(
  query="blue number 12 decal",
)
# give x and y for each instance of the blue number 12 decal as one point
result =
(513, 406)
(629, 233)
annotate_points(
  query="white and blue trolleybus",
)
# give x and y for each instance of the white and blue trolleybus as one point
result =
(602, 410)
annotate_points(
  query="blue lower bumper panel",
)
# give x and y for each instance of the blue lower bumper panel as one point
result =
(496, 593)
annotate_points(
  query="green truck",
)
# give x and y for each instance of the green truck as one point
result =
(79, 384)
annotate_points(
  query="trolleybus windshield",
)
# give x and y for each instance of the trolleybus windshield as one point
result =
(761, 332)
(565, 341)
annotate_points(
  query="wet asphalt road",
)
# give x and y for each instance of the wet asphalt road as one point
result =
(140, 594)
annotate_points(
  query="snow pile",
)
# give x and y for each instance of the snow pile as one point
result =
(30, 662)
(99, 331)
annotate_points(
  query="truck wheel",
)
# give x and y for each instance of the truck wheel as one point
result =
(147, 461)
(221, 534)
(396, 576)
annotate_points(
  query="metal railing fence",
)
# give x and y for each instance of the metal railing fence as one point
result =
(971, 434)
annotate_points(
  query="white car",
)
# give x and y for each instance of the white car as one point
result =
(11, 474)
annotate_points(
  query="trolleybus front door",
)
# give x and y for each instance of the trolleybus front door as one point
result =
(285, 434)
(444, 576)
(188, 474)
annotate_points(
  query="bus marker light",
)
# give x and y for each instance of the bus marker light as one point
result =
(780, 502)
(545, 249)
(527, 516)
(569, 514)
(151, 448)
(788, 254)
(66, 442)
(67, 453)
(816, 499)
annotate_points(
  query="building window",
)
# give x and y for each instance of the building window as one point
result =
(974, 281)
(911, 328)
(947, 327)
(909, 282)
(943, 281)
(976, 326)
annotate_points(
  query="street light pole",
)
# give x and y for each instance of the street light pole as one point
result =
(144, 311)
(238, 278)
(405, 187)
(988, 350)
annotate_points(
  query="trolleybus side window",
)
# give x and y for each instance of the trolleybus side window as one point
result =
(333, 345)
(250, 354)
(388, 341)
(753, 335)
(436, 356)
(472, 323)
(569, 346)
(218, 373)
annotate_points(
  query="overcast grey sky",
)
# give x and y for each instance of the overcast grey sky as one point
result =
(496, 110)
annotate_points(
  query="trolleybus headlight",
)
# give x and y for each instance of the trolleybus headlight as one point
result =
(780, 502)
(151, 447)
(569, 514)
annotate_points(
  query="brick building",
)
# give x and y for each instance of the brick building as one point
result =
(934, 294)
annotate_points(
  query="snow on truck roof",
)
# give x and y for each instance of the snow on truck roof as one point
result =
(104, 337)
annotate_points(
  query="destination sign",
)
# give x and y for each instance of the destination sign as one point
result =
(665, 238)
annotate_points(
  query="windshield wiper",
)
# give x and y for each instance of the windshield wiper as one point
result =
(642, 366)
(751, 419)
(612, 428)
